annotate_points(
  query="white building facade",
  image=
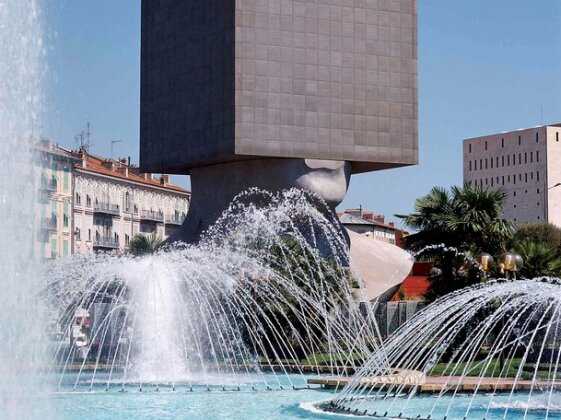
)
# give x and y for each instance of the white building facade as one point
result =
(114, 201)
(527, 163)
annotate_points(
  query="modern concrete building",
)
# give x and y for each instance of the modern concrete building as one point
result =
(114, 201)
(224, 81)
(54, 226)
(527, 163)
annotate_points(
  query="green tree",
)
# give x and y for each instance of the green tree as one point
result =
(145, 244)
(539, 258)
(467, 218)
(545, 233)
(291, 316)
(453, 226)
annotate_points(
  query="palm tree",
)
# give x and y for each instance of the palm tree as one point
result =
(466, 221)
(145, 244)
(539, 259)
(467, 218)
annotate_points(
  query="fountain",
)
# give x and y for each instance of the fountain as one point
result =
(488, 351)
(21, 346)
(252, 302)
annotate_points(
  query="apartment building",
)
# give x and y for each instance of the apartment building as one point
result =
(527, 163)
(53, 224)
(372, 225)
(114, 201)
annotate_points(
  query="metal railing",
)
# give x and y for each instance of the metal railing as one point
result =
(49, 185)
(151, 215)
(175, 219)
(107, 208)
(49, 223)
(106, 242)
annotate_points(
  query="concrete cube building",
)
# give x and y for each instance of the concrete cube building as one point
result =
(230, 80)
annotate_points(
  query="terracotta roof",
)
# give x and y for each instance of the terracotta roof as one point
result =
(349, 219)
(94, 164)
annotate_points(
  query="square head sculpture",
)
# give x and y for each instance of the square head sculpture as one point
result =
(232, 80)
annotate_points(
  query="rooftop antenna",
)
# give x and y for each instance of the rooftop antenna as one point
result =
(113, 142)
(83, 138)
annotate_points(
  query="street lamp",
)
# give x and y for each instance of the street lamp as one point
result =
(510, 263)
(485, 260)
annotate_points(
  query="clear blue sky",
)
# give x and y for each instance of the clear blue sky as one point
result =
(484, 67)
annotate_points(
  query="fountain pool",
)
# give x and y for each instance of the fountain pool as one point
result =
(247, 404)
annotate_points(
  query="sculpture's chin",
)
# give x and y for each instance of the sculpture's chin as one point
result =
(214, 187)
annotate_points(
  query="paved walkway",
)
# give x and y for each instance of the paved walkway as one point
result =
(438, 384)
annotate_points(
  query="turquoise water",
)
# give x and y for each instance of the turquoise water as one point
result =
(252, 401)
(215, 402)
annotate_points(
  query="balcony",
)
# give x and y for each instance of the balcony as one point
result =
(49, 185)
(49, 223)
(175, 219)
(152, 216)
(106, 243)
(106, 208)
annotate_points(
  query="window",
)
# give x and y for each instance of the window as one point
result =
(537, 137)
(538, 178)
(485, 144)
(127, 239)
(508, 160)
(470, 165)
(525, 157)
(485, 163)
(537, 155)
(491, 163)
(65, 220)
(531, 157)
(470, 147)
(526, 177)
(520, 158)
(89, 235)
(503, 161)
(508, 178)
(503, 143)
(66, 178)
(503, 179)
(514, 193)
(519, 140)
(78, 199)
(88, 201)
(557, 136)
(475, 161)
